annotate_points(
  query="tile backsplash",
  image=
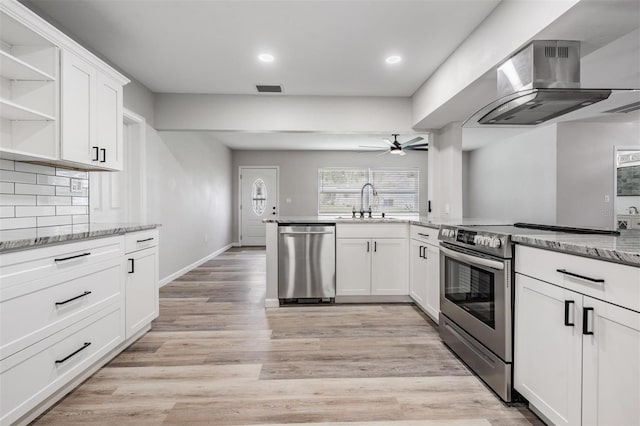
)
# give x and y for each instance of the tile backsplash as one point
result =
(49, 199)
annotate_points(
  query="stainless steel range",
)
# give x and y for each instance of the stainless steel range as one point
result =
(476, 300)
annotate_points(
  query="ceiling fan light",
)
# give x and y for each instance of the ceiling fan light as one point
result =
(396, 152)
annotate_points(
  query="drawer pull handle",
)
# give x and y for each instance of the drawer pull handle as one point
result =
(86, 293)
(566, 313)
(582, 277)
(146, 239)
(585, 321)
(72, 257)
(85, 346)
(133, 266)
(423, 235)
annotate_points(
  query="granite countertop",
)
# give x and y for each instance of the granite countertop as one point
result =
(624, 248)
(434, 223)
(28, 238)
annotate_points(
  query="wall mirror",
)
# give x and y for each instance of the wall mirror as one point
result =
(627, 187)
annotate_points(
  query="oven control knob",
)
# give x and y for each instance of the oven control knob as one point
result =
(496, 243)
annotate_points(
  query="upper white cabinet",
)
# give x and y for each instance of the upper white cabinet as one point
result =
(29, 103)
(371, 260)
(59, 103)
(577, 355)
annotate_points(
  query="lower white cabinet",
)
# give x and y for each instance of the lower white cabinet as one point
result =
(432, 303)
(141, 289)
(577, 359)
(424, 277)
(353, 267)
(389, 268)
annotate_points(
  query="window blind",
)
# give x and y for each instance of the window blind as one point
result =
(339, 190)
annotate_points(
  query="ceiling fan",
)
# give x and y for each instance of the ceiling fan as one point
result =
(398, 148)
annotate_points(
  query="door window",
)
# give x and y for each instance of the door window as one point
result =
(259, 197)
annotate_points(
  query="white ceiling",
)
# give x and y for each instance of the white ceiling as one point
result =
(321, 47)
(306, 140)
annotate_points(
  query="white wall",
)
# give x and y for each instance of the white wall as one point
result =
(189, 193)
(585, 170)
(515, 179)
(282, 113)
(299, 175)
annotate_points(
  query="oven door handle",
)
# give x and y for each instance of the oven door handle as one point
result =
(493, 264)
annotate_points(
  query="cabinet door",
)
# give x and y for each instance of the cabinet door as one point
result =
(548, 353)
(353, 267)
(390, 267)
(432, 302)
(417, 272)
(109, 122)
(141, 292)
(611, 365)
(78, 115)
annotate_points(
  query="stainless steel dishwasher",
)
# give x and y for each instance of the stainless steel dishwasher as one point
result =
(306, 263)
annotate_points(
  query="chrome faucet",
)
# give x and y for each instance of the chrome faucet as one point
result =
(633, 210)
(362, 199)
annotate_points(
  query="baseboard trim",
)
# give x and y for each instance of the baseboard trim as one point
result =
(166, 280)
(271, 303)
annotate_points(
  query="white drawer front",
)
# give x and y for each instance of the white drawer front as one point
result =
(29, 265)
(36, 310)
(621, 283)
(30, 376)
(372, 230)
(141, 240)
(424, 234)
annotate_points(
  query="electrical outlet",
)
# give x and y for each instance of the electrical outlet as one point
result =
(606, 198)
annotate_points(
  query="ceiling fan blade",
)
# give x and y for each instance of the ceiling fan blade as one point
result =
(422, 145)
(383, 153)
(412, 141)
(379, 148)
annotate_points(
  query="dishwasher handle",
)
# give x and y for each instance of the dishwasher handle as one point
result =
(305, 232)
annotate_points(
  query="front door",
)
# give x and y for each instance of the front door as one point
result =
(258, 200)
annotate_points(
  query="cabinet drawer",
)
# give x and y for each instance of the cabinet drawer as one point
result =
(424, 234)
(372, 230)
(140, 240)
(40, 308)
(619, 283)
(29, 265)
(30, 376)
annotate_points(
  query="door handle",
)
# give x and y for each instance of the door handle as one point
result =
(104, 155)
(567, 303)
(95, 153)
(368, 246)
(585, 321)
(133, 266)
(422, 252)
(375, 246)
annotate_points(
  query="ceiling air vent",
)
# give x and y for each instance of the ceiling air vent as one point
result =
(625, 109)
(268, 88)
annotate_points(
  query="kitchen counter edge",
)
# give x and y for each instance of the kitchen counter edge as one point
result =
(102, 231)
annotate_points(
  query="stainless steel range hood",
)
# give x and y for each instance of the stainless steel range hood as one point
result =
(540, 83)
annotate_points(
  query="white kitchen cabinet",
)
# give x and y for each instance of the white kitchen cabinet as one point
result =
(141, 288)
(353, 267)
(576, 357)
(432, 301)
(548, 352)
(92, 120)
(372, 260)
(611, 366)
(418, 272)
(389, 271)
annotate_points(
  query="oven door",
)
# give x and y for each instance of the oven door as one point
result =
(475, 293)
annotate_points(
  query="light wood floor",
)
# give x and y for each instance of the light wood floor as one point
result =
(215, 356)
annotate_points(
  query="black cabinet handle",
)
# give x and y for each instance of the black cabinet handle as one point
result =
(104, 155)
(585, 321)
(422, 252)
(95, 153)
(133, 266)
(375, 246)
(368, 246)
(72, 257)
(86, 293)
(566, 313)
(146, 239)
(582, 277)
(85, 346)
(423, 235)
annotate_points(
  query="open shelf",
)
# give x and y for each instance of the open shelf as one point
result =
(13, 111)
(14, 68)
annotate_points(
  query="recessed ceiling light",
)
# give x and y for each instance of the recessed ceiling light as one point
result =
(266, 57)
(393, 59)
